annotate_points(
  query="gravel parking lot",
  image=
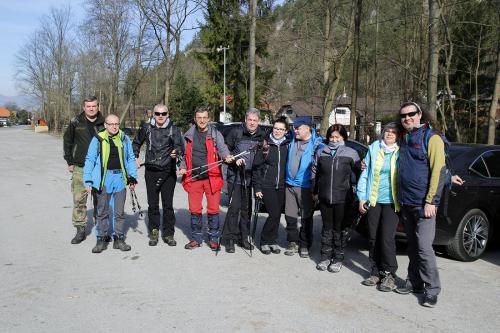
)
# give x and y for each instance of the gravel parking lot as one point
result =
(49, 285)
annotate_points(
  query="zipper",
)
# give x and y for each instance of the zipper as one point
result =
(279, 164)
(331, 181)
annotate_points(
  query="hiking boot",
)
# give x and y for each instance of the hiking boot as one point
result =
(230, 246)
(80, 235)
(119, 243)
(265, 249)
(214, 246)
(335, 266)
(371, 281)
(323, 265)
(107, 239)
(169, 240)
(100, 246)
(291, 249)
(388, 283)
(275, 249)
(429, 301)
(408, 288)
(153, 237)
(246, 245)
(192, 245)
(304, 252)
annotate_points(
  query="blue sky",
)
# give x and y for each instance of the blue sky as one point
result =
(20, 18)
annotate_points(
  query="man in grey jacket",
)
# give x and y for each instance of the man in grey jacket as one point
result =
(202, 174)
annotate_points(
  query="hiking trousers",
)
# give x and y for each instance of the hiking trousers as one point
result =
(113, 189)
(420, 232)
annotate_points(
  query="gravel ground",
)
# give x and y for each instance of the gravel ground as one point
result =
(49, 285)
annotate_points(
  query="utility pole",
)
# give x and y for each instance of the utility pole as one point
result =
(224, 49)
(251, 57)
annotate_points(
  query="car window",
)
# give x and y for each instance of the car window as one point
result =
(492, 160)
(479, 167)
(358, 147)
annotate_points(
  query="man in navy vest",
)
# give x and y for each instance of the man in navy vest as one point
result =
(421, 177)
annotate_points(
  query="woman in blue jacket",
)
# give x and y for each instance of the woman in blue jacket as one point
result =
(377, 195)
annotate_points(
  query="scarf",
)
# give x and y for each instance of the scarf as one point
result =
(388, 148)
(277, 141)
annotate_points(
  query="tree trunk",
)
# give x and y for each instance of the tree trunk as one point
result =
(448, 56)
(251, 56)
(494, 99)
(355, 74)
(476, 88)
(332, 68)
(433, 61)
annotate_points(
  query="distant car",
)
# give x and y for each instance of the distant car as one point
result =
(469, 214)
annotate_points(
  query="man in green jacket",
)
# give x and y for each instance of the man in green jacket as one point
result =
(76, 142)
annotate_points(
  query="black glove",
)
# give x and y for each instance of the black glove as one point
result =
(131, 180)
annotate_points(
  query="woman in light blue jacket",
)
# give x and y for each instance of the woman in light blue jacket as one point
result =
(377, 197)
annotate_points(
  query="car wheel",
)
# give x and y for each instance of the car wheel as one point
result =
(471, 237)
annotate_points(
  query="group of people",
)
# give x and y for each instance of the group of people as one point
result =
(287, 172)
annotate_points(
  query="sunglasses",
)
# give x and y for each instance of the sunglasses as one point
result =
(164, 114)
(409, 114)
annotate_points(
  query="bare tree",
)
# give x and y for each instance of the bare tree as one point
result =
(496, 95)
(251, 57)
(333, 58)
(167, 19)
(46, 66)
(355, 74)
(109, 23)
(433, 60)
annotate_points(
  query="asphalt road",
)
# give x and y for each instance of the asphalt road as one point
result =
(49, 285)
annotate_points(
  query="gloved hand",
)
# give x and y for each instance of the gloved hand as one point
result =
(131, 180)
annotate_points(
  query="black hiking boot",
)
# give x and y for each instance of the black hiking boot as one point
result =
(230, 246)
(153, 237)
(119, 243)
(169, 240)
(101, 245)
(80, 235)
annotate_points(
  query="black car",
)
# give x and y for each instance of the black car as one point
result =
(469, 214)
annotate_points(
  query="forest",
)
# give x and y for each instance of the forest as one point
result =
(133, 54)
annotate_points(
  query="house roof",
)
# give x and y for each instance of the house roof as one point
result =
(4, 113)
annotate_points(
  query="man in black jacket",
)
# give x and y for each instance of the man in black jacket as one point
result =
(239, 180)
(76, 142)
(163, 144)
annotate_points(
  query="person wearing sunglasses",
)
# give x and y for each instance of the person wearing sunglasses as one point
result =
(269, 182)
(421, 179)
(163, 145)
(109, 168)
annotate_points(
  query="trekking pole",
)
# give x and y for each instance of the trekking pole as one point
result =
(245, 186)
(355, 223)
(135, 203)
(255, 220)
(246, 152)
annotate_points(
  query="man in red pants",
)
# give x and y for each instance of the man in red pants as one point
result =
(204, 146)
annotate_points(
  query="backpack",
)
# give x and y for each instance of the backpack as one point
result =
(425, 145)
